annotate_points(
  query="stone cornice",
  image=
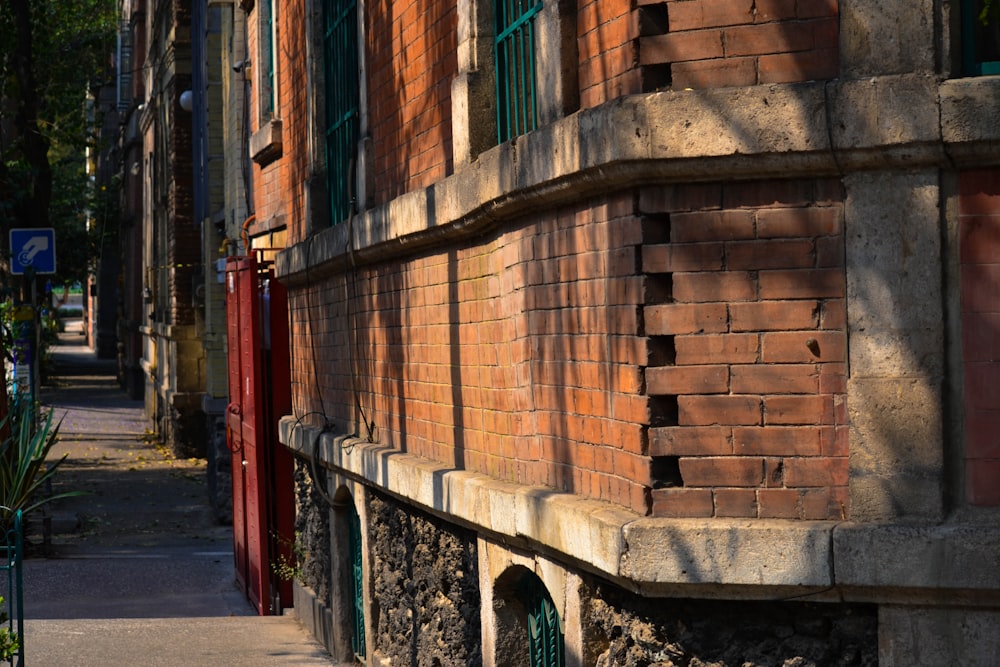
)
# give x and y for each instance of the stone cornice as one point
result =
(773, 131)
(692, 557)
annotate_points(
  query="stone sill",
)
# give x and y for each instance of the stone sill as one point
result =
(752, 558)
(265, 143)
(767, 131)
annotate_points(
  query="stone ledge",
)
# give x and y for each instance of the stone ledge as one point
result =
(770, 131)
(658, 554)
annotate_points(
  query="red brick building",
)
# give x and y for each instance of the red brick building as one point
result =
(635, 331)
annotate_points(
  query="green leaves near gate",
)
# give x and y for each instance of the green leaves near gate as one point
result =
(24, 465)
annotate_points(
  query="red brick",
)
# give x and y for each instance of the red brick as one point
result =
(799, 222)
(695, 14)
(808, 9)
(677, 503)
(774, 10)
(678, 46)
(776, 441)
(835, 441)
(979, 238)
(770, 254)
(773, 315)
(979, 192)
(717, 73)
(776, 379)
(816, 65)
(767, 38)
(982, 433)
(735, 503)
(820, 504)
(816, 471)
(803, 347)
(802, 284)
(791, 410)
(830, 252)
(724, 348)
(697, 226)
(725, 410)
(983, 482)
(681, 197)
(833, 315)
(709, 286)
(981, 337)
(673, 380)
(690, 441)
(738, 471)
(682, 257)
(682, 318)
(778, 504)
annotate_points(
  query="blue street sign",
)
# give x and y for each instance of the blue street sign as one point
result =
(33, 249)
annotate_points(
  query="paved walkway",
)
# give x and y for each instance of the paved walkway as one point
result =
(136, 572)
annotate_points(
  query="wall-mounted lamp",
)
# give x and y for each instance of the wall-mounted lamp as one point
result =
(187, 100)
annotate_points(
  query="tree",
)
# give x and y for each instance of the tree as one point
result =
(53, 53)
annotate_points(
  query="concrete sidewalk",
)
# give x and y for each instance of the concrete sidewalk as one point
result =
(136, 572)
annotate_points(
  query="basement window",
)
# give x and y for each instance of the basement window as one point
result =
(980, 41)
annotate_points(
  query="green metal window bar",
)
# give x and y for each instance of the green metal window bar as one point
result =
(357, 582)
(267, 39)
(340, 47)
(545, 636)
(11, 557)
(517, 110)
(980, 43)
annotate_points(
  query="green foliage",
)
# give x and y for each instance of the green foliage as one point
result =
(990, 11)
(290, 568)
(54, 54)
(9, 641)
(24, 464)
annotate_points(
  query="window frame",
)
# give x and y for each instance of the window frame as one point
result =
(515, 54)
(970, 65)
(342, 111)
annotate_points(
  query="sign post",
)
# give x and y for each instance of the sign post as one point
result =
(32, 253)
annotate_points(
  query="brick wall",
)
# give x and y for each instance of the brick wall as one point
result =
(516, 356)
(748, 366)
(606, 30)
(710, 44)
(279, 185)
(979, 257)
(524, 355)
(411, 56)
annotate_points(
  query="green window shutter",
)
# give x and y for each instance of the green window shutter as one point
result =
(515, 65)
(357, 582)
(340, 60)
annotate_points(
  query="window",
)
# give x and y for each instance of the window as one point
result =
(545, 637)
(528, 629)
(517, 71)
(980, 43)
(517, 112)
(357, 582)
(340, 69)
(267, 59)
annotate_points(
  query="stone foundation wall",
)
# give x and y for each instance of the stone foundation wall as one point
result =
(425, 596)
(626, 630)
(312, 533)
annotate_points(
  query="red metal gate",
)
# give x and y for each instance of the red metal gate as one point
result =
(259, 394)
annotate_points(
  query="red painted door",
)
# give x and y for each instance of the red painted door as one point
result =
(259, 394)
